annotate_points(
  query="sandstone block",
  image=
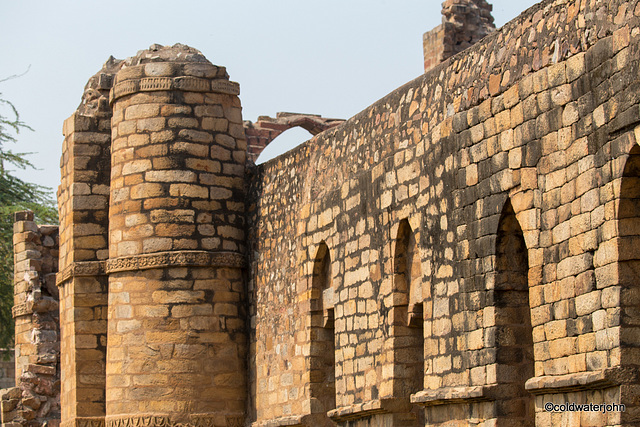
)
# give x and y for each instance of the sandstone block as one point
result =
(188, 190)
(142, 111)
(170, 176)
(147, 190)
(155, 124)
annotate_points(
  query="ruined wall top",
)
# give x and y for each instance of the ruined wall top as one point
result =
(472, 11)
(464, 23)
(177, 67)
(95, 98)
(158, 53)
(472, 21)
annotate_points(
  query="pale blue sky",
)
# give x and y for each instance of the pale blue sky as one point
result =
(333, 57)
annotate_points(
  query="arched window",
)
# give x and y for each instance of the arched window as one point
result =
(408, 321)
(514, 336)
(322, 352)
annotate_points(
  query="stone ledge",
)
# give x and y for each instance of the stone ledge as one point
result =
(581, 381)
(80, 269)
(175, 259)
(449, 395)
(289, 421)
(372, 407)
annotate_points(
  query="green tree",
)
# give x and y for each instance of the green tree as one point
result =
(15, 195)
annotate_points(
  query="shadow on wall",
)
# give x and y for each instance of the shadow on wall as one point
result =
(284, 142)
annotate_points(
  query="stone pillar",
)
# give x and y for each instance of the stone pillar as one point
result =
(83, 203)
(177, 341)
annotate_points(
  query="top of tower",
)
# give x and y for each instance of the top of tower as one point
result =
(157, 53)
(177, 67)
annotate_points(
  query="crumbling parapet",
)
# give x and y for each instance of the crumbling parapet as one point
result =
(266, 129)
(464, 23)
(36, 398)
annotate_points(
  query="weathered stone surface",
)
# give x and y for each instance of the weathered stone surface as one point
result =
(464, 23)
(36, 398)
(471, 236)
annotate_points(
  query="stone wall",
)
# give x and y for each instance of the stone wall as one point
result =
(500, 180)
(35, 399)
(463, 251)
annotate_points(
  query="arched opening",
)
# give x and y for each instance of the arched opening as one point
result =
(629, 258)
(408, 321)
(287, 140)
(514, 334)
(322, 352)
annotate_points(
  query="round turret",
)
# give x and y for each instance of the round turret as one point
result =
(176, 344)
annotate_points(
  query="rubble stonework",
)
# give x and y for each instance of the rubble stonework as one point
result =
(35, 399)
(463, 251)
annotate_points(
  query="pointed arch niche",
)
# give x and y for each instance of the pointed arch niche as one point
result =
(408, 317)
(514, 334)
(322, 348)
(629, 258)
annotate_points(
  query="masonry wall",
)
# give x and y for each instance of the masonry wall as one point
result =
(522, 145)
(34, 396)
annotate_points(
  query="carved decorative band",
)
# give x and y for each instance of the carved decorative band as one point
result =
(79, 269)
(185, 83)
(176, 259)
(193, 420)
(84, 422)
(21, 310)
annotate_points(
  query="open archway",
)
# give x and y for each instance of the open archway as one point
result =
(261, 133)
(284, 142)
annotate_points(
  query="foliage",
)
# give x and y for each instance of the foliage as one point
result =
(15, 195)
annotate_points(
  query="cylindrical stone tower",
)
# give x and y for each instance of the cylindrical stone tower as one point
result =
(176, 343)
